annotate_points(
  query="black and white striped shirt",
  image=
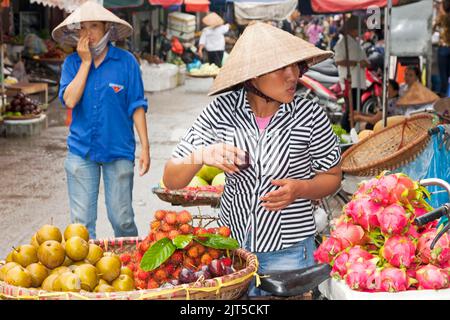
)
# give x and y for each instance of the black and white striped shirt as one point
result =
(298, 142)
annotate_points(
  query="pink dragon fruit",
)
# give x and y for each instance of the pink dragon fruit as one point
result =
(328, 250)
(349, 234)
(346, 258)
(413, 232)
(393, 220)
(364, 212)
(359, 273)
(399, 251)
(404, 191)
(431, 277)
(418, 211)
(381, 193)
(365, 188)
(393, 280)
(440, 254)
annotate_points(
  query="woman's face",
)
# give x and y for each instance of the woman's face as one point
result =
(281, 84)
(95, 30)
(392, 92)
(410, 77)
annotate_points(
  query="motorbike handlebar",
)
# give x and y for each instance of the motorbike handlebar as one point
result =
(433, 215)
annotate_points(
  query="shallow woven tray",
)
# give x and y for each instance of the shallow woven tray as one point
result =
(389, 148)
(188, 198)
(229, 287)
(202, 76)
(25, 117)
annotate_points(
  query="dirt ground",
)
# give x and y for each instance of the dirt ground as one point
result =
(33, 189)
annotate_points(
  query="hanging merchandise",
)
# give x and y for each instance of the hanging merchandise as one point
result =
(177, 47)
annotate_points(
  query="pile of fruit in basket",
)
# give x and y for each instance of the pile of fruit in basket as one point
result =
(207, 179)
(174, 252)
(376, 247)
(205, 69)
(22, 105)
(65, 262)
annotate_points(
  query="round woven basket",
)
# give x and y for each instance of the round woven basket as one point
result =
(389, 148)
(188, 198)
(229, 287)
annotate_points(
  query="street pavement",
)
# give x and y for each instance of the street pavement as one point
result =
(33, 189)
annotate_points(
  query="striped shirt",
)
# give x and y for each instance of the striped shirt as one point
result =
(297, 143)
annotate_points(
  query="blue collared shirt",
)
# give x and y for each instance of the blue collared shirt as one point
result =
(102, 121)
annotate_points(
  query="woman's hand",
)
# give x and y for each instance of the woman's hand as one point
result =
(289, 191)
(83, 49)
(144, 161)
(223, 156)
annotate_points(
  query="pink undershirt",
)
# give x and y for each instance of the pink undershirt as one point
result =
(263, 122)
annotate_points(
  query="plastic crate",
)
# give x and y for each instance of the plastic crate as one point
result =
(182, 22)
(159, 77)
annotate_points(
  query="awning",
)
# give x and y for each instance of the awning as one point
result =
(67, 5)
(197, 5)
(270, 10)
(342, 6)
(5, 3)
(118, 4)
(166, 3)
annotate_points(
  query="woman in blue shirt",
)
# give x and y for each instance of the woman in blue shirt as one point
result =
(103, 86)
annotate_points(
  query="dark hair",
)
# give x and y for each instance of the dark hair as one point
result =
(446, 6)
(415, 69)
(394, 84)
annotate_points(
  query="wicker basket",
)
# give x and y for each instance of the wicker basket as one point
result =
(389, 148)
(188, 198)
(229, 287)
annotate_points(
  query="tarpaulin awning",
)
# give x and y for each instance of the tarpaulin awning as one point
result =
(342, 6)
(270, 10)
(166, 3)
(197, 5)
(117, 4)
(67, 5)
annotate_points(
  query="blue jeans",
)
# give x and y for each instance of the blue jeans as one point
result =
(298, 256)
(83, 180)
(444, 68)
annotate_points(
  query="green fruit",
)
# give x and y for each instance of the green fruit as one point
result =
(95, 253)
(77, 249)
(9, 114)
(88, 276)
(219, 180)
(76, 229)
(25, 255)
(4, 270)
(67, 282)
(60, 270)
(18, 276)
(48, 283)
(123, 283)
(108, 268)
(48, 232)
(17, 114)
(34, 241)
(38, 274)
(127, 271)
(208, 173)
(104, 288)
(51, 254)
(197, 182)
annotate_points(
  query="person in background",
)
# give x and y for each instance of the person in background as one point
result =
(443, 27)
(412, 75)
(213, 38)
(392, 110)
(290, 23)
(103, 86)
(313, 31)
(333, 31)
(356, 60)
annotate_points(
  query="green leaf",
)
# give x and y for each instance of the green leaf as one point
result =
(157, 254)
(217, 241)
(182, 241)
(425, 190)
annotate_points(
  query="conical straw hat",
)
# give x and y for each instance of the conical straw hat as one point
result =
(442, 107)
(417, 94)
(90, 11)
(213, 20)
(261, 49)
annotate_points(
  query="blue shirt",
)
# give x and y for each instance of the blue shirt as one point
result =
(102, 121)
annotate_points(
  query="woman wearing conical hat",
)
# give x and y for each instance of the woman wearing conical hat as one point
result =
(213, 38)
(293, 154)
(102, 84)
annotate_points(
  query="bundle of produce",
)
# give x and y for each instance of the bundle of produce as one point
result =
(174, 252)
(22, 105)
(65, 262)
(375, 247)
(205, 70)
